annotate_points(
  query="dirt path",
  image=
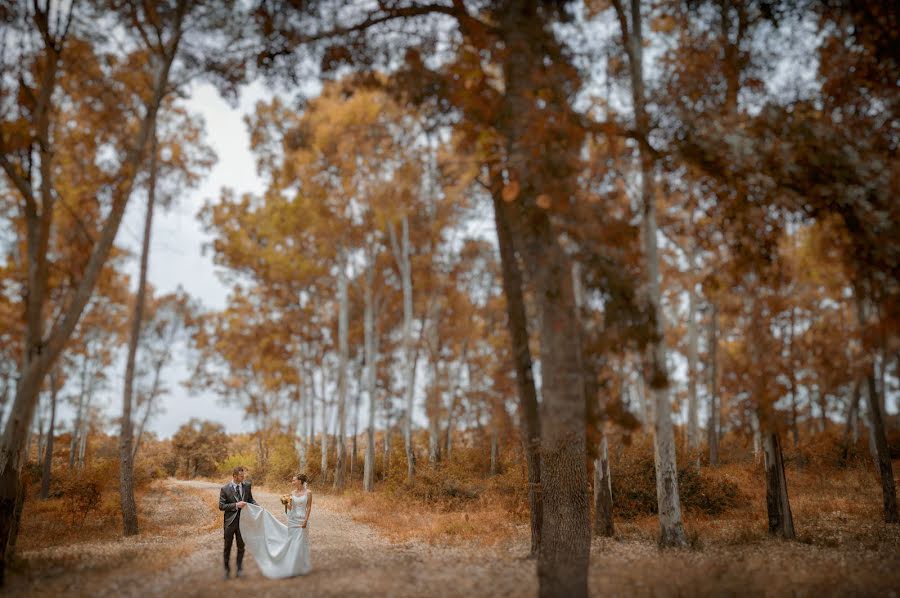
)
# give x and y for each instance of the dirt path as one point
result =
(349, 559)
(179, 554)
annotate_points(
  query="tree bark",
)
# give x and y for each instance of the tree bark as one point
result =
(371, 352)
(47, 469)
(693, 431)
(603, 519)
(712, 428)
(885, 467)
(566, 527)
(778, 507)
(126, 438)
(433, 397)
(343, 356)
(401, 250)
(669, 507)
(517, 326)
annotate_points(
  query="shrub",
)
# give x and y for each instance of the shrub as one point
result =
(634, 485)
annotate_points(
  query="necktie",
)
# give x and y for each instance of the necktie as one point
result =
(239, 492)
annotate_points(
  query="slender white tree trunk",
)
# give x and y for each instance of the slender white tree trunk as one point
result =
(671, 527)
(371, 358)
(343, 356)
(692, 350)
(603, 521)
(401, 253)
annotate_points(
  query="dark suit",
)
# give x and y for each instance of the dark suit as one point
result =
(228, 499)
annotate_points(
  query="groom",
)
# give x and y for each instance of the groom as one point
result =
(234, 496)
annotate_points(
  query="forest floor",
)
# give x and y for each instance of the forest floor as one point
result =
(179, 553)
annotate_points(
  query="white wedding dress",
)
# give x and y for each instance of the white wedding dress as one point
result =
(280, 550)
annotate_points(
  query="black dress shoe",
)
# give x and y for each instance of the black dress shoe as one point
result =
(239, 573)
(225, 576)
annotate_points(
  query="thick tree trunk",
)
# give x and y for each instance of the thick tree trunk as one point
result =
(517, 325)
(781, 522)
(401, 250)
(603, 520)
(343, 355)
(712, 427)
(47, 469)
(126, 438)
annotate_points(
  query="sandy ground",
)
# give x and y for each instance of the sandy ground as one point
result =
(182, 557)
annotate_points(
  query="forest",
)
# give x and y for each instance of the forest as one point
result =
(579, 295)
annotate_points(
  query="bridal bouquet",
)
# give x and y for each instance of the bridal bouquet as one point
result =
(286, 500)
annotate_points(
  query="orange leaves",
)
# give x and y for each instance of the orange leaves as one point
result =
(510, 191)
(663, 24)
(543, 201)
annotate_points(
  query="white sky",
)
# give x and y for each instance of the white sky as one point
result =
(176, 256)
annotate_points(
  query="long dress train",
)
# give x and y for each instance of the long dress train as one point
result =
(280, 550)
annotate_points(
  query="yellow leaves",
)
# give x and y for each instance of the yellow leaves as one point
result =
(510, 191)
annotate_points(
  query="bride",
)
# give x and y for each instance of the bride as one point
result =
(281, 550)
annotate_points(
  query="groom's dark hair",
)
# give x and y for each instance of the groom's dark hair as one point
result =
(237, 470)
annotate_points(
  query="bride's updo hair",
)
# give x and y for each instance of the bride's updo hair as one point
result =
(302, 478)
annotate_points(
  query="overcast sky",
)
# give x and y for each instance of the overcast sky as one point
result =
(177, 249)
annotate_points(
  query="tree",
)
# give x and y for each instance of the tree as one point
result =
(199, 447)
(29, 137)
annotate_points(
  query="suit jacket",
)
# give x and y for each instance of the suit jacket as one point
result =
(228, 499)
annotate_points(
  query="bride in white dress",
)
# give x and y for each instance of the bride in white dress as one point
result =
(281, 550)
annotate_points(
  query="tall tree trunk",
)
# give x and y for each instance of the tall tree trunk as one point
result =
(693, 431)
(669, 507)
(126, 438)
(778, 507)
(603, 520)
(371, 377)
(851, 432)
(452, 398)
(648, 413)
(885, 467)
(324, 437)
(47, 470)
(792, 381)
(433, 398)
(355, 436)
(343, 354)
(401, 250)
(79, 412)
(517, 326)
(712, 428)
(42, 352)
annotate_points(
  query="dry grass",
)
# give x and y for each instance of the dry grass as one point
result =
(455, 519)
(479, 524)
